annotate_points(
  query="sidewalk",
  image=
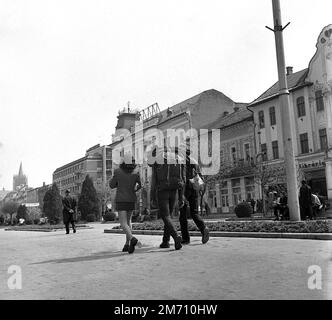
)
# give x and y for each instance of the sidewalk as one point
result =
(91, 265)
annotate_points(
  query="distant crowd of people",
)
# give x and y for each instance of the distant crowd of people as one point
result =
(311, 204)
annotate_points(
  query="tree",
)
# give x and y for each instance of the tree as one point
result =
(22, 212)
(88, 202)
(10, 208)
(52, 207)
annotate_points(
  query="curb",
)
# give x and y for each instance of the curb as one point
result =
(271, 235)
(44, 230)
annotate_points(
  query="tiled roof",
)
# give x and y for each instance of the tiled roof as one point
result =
(190, 103)
(225, 121)
(294, 80)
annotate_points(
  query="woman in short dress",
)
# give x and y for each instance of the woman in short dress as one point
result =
(127, 183)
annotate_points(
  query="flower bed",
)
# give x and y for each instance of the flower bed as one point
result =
(319, 226)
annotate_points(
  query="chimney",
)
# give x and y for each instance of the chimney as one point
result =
(289, 70)
(225, 113)
(236, 108)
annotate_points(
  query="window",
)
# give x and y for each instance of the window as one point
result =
(300, 107)
(233, 152)
(236, 189)
(304, 143)
(275, 150)
(264, 151)
(272, 116)
(323, 139)
(261, 119)
(319, 100)
(247, 151)
(249, 183)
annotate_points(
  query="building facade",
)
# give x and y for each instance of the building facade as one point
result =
(186, 118)
(310, 94)
(96, 163)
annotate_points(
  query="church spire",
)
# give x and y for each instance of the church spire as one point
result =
(20, 171)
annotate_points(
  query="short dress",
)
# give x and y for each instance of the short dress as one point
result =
(124, 206)
(125, 183)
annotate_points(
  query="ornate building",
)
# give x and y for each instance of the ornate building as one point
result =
(310, 93)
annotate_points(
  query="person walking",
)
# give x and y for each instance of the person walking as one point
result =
(192, 171)
(167, 182)
(316, 205)
(68, 211)
(127, 183)
(305, 201)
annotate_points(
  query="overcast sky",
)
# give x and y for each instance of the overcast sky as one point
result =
(67, 67)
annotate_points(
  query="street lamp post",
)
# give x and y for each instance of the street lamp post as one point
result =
(288, 137)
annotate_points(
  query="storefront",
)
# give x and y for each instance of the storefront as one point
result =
(315, 173)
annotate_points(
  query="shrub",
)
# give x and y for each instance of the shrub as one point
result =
(36, 221)
(2, 219)
(243, 210)
(146, 218)
(28, 222)
(91, 217)
(110, 216)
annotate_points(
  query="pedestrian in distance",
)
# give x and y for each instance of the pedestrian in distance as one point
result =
(166, 185)
(305, 200)
(316, 205)
(68, 211)
(127, 183)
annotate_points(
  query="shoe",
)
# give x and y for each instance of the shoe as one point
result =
(205, 235)
(132, 244)
(125, 248)
(67, 232)
(164, 245)
(185, 241)
(74, 230)
(177, 243)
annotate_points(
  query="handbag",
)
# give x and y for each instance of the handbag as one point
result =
(197, 182)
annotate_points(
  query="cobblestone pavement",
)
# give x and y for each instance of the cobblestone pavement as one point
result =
(90, 265)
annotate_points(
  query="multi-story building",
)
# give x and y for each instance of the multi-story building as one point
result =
(96, 163)
(35, 196)
(194, 113)
(236, 179)
(310, 95)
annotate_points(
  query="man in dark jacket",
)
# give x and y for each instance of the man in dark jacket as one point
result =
(69, 207)
(305, 201)
(191, 194)
(167, 179)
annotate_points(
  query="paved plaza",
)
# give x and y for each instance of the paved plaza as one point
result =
(90, 265)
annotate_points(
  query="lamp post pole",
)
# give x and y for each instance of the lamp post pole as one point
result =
(288, 137)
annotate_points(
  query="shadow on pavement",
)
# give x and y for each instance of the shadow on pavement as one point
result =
(106, 255)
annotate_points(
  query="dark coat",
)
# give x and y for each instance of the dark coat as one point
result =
(68, 203)
(167, 176)
(125, 183)
(305, 196)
